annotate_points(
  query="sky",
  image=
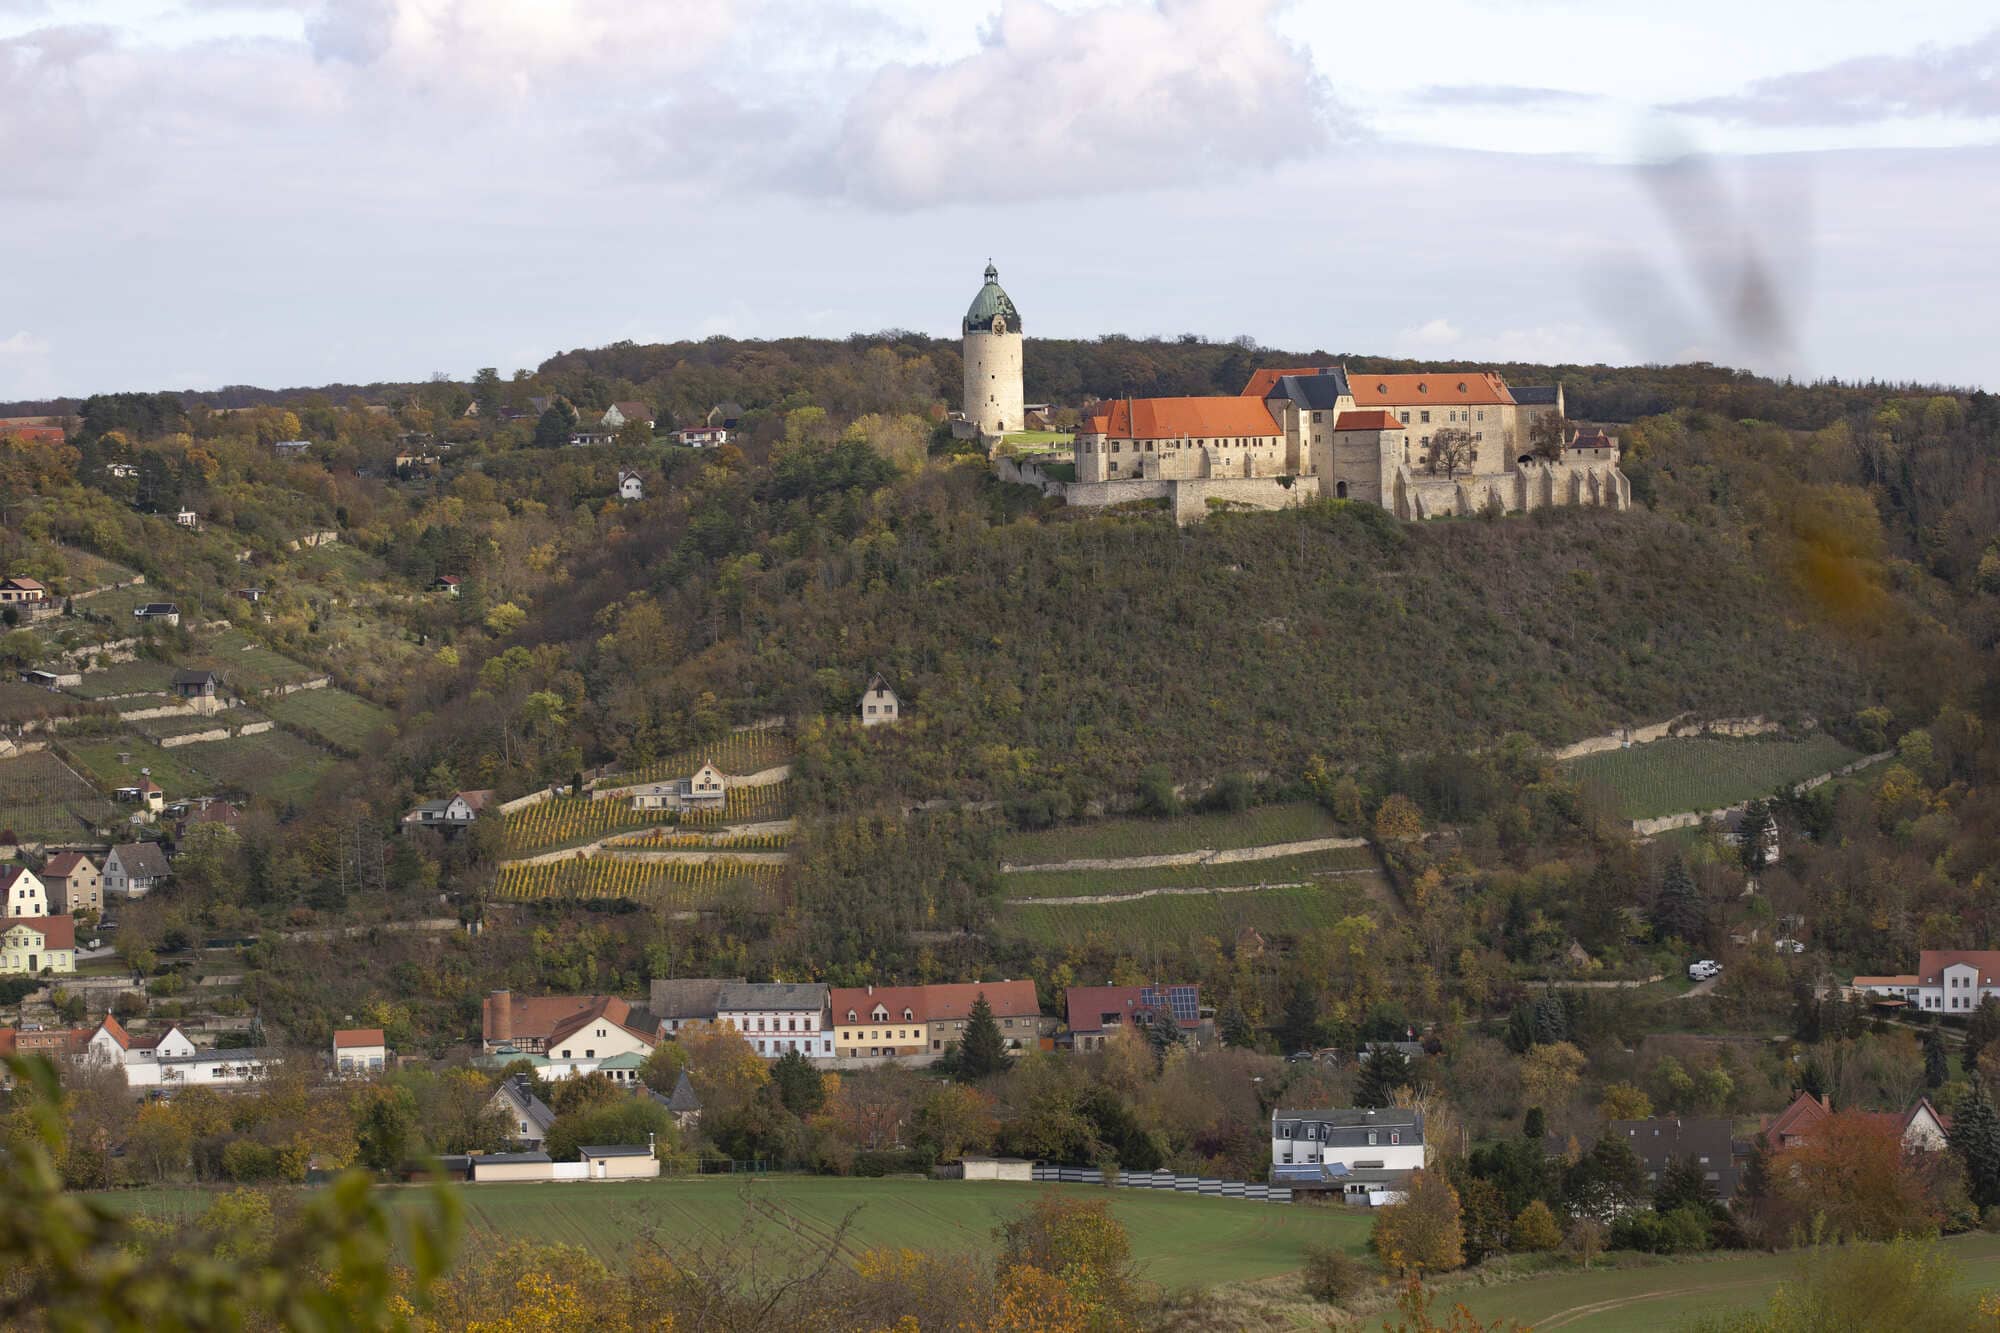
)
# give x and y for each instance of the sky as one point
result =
(196, 193)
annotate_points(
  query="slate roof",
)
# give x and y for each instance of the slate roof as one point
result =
(1262, 382)
(196, 678)
(614, 1150)
(531, 1108)
(1320, 391)
(142, 860)
(686, 997)
(992, 300)
(756, 996)
(1535, 395)
(510, 1159)
(684, 1100)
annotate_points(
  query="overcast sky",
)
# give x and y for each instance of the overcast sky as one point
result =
(280, 192)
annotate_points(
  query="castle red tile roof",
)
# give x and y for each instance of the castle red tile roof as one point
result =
(1374, 419)
(1451, 387)
(347, 1037)
(1180, 418)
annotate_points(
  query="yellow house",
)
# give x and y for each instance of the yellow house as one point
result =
(35, 944)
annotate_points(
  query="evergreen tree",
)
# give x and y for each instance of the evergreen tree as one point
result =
(1677, 911)
(1301, 1027)
(1236, 1029)
(1937, 1065)
(1754, 835)
(1980, 1030)
(798, 1084)
(1534, 1125)
(1681, 1184)
(552, 428)
(1975, 1137)
(982, 1050)
(1384, 1070)
(1606, 1181)
(1520, 1036)
(1551, 1020)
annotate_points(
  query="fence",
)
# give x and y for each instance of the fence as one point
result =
(1165, 1180)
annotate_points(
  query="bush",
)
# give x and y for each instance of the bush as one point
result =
(1535, 1229)
(1332, 1275)
(248, 1162)
(129, 1004)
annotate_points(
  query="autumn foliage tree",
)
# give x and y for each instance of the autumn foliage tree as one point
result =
(1851, 1172)
(1423, 1233)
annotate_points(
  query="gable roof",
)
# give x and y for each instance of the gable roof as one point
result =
(63, 864)
(58, 932)
(1805, 1111)
(755, 996)
(683, 1100)
(862, 1000)
(1177, 418)
(1088, 1005)
(1007, 999)
(1374, 419)
(634, 411)
(1261, 382)
(516, 1089)
(21, 584)
(1931, 964)
(192, 677)
(12, 875)
(1320, 390)
(602, 1009)
(112, 1028)
(686, 997)
(142, 860)
(1451, 388)
(349, 1037)
(1535, 395)
(875, 682)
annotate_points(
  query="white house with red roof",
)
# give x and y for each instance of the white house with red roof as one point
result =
(359, 1051)
(31, 945)
(1947, 981)
(170, 1059)
(20, 589)
(22, 893)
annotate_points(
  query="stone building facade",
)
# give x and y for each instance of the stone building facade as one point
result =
(993, 404)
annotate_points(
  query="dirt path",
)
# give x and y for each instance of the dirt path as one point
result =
(1201, 857)
(1563, 1318)
(1097, 899)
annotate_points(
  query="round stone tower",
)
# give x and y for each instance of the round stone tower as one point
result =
(993, 361)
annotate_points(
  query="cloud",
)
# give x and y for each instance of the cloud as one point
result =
(44, 82)
(1501, 95)
(1956, 81)
(1546, 344)
(1132, 96)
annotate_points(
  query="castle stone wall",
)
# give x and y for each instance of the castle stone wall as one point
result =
(993, 382)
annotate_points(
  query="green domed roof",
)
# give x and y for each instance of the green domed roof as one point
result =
(991, 301)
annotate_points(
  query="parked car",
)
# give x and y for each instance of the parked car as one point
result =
(1789, 945)
(1299, 1057)
(1704, 969)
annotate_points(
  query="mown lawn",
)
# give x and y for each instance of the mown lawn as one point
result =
(1179, 918)
(1180, 1240)
(176, 770)
(276, 764)
(1664, 1296)
(1705, 772)
(1333, 866)
(1104, 838)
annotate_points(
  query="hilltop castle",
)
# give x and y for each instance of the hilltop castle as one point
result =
(1420, 446)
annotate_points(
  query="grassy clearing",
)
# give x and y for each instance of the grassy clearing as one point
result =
(141, 677)
(1664, 1295)
(341, 719)
(1178, 918)
(1179, 1240)
(1255, 827)
(1705, 772)
(175, 770)
(42, 800)
(245, 663)
(276, 764)
(1025, 438)
(1306, 868)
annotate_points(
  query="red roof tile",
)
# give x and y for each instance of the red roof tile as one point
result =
(1931, 964)
(58, 932)
(61, 864)
(1453, 388)
(1374, 419)
(1181, 418)
(346, 1037)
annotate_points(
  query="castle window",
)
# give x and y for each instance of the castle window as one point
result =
(1405, 416)
(1425, 417)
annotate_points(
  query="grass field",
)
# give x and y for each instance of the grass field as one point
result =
(245, 663)
(686, 887)
(1179, 1240)
(141, 677)
(1632, 1300)
(343, 720)
(1157, 837)
(41, 799)
(1334, 866)
(276, 764)
(1180, 917)
(175, 770)
(1705, 772)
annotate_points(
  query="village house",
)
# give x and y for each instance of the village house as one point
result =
(145, 793)
(679, 1001)
(22, 893)
(704, 437)
(725, 414)
(74, 884)
(584, 439)
(1366, 1155)
(706, 790)
(454, 812)
(123, 471)
(1707, 1141)
(196, 684)
(1098, 1013)
(879, 1020)
(209, 811)
(187, 518)
(778, 1016)
(167, 613)
(631, 486)
(35, 944)
(566, 1036)
(251, 595)
(528, 1116)
(618, 414)
(879, 703)
(170, 1059)
(1922, 1128)
(1795, 1123)
(291, 448)
(1947, 981)
(135, 869)
(18, 590)
(1017, 1011)
(448, 583)
(359, 1051)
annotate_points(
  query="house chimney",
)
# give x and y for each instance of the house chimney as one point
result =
(871, 988)
(500, 1016)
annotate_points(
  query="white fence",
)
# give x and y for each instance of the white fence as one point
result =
(1165, 1180)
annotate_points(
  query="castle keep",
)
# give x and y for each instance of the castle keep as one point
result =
(1448, 442)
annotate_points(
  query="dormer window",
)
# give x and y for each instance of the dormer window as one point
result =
(850, 1016)
(909, 1015)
